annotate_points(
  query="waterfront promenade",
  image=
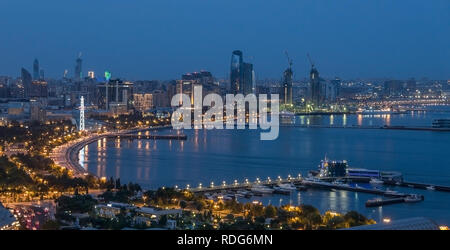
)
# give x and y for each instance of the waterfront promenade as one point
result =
(66, 155)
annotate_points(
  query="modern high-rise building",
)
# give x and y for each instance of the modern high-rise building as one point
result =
(78, 72)
(115, 96)
(315, 86)
(26, 82)
(337, 85)
(143, 101)
(36, 70)
(38, 89)
(241, 74)
(286, 95)
(247, 79)
(236, 73)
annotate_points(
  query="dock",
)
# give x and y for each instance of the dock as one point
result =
(295, 181)
(418, 185)
(379, 203)
(325, 185)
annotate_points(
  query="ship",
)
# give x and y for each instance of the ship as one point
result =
(284, 188)
(333, 170)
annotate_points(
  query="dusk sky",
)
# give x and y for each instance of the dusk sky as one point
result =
(149, 39)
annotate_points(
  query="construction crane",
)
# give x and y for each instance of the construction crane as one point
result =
(289, 59)
(310, 60)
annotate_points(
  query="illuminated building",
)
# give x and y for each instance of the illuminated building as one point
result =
(26, 82)
(143, 101)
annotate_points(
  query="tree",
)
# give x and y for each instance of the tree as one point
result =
(163, 221)
(336, 222)
(270, 211)
(183, 204)
(353, 219)
(76, 204)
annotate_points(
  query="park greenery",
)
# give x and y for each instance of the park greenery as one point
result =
(201, 213)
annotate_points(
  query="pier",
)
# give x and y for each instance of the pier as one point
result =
(418, 185)
(299, 181)
(379, 203)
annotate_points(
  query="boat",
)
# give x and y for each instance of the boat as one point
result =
(301, 188)
(261, 190)
(431, 188)
(280, 190)
(341, 184)
(413, 198)
(376, 181)
(287, 186)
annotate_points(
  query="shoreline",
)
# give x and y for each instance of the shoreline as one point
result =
(66, 155)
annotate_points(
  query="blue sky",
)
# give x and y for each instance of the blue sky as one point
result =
(161, 39)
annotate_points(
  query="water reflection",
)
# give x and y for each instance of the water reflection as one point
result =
(234, 154)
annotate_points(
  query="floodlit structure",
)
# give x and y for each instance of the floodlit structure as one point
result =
(82, 126)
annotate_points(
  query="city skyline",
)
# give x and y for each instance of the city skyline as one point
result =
(350, 40)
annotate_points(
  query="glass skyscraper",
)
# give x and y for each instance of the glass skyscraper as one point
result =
(241, 74)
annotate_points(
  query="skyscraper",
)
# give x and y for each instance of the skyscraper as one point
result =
(78, 74)
(36, 69)
(236, 73)
(337, 85)
(316, 95)
(241, 74)
(247, 79)
(26, 81)
(286, 94)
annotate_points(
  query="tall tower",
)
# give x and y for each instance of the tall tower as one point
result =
(287, 83)
(316, 96)
(247, 79)
(236, 72)
(26, 81)
(36, 69)
(82, 127)
(78, 73)
(316, 89)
